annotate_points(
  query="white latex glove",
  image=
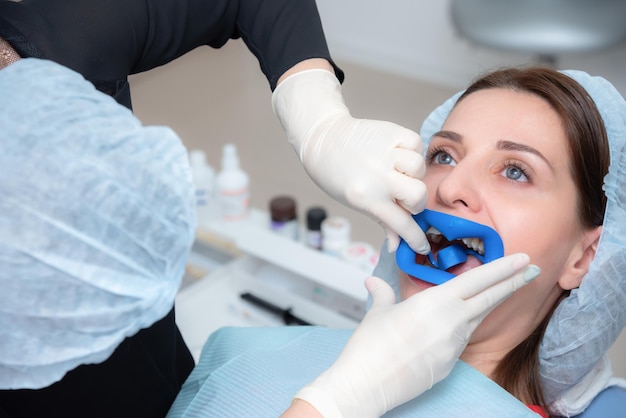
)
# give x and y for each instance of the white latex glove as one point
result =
(400, 350)
(372, 166)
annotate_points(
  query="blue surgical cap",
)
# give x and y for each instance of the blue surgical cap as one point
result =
(96, 222)
(590, 319)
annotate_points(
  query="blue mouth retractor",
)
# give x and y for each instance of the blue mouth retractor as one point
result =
(452, 228)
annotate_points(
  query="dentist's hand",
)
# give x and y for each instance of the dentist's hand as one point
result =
(401, 350)
(372, 166)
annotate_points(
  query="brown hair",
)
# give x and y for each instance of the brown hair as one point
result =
(518, 372)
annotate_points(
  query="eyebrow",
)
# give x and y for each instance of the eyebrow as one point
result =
(515, 146)
(501, 144)
(452, 136)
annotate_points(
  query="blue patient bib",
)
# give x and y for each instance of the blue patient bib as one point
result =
(255, 372)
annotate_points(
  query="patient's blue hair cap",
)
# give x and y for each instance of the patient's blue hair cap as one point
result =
(590, 319)
(96, 219)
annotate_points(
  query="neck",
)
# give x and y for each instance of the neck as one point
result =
(8, 55)
(484, 362)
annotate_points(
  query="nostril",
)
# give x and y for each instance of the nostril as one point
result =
(452, 192)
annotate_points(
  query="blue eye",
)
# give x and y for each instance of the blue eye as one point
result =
(515, 173)
(440, 157)
(444, 158)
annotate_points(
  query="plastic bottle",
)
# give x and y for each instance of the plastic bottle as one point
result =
(284, 219)
(335, 235)
(204, 181)
(232, 186)
(314, 218)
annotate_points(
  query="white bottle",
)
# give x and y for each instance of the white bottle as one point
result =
(204, 181)
(335, 235)
(232, 186)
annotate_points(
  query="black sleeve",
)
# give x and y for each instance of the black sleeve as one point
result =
(295, 34)
(106, 40)
(139, 380)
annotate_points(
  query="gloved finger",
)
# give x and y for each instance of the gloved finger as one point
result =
(408, 162)
(410, 193)
(401, 222)
(484, 302)
(382, 294)
(477, 280)
(393, 239)
(407, 139)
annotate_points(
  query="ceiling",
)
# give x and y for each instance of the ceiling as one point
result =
(416, 38)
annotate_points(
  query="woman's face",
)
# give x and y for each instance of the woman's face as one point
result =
(502, 160)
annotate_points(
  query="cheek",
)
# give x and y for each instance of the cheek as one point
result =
(520, 232)
(432, 180)
(546, 238)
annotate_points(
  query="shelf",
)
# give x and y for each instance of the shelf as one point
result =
(252, 236)
(229, 259)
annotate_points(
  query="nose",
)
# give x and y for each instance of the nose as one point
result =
(459, 188)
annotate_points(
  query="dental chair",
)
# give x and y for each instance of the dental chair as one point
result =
(610, 403)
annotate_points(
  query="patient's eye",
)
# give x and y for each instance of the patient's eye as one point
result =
(439, 156)
(514, 171)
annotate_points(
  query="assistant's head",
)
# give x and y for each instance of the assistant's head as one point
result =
(96, 218)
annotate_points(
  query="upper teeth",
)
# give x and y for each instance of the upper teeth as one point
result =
(434, 233)
(475, 244)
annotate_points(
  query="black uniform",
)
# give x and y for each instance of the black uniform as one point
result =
(105, 41)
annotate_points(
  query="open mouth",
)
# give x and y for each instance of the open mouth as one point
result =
(439, 242)
(457, 245)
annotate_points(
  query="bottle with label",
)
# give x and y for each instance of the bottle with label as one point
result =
(204, 181)
(335, 235)
(284, 219)
(232, 186)
(314, 218)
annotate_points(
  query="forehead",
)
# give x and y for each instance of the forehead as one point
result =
(504, 103)
(503, 112)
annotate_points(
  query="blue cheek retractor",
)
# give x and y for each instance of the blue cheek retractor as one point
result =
(452, 228)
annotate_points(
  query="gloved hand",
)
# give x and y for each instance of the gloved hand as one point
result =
(372, 166)
(401, 350)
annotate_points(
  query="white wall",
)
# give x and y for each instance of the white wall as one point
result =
(415, 38)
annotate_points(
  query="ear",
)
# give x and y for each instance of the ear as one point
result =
(580, 258)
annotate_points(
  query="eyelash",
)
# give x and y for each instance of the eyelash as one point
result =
(436, 150)
(433, 152)
(520, 167)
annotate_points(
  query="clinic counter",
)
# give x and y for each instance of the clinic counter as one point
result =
(243, 274)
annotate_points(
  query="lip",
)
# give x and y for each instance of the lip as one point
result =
(471, 263)
(432, 268)
(420, 283)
